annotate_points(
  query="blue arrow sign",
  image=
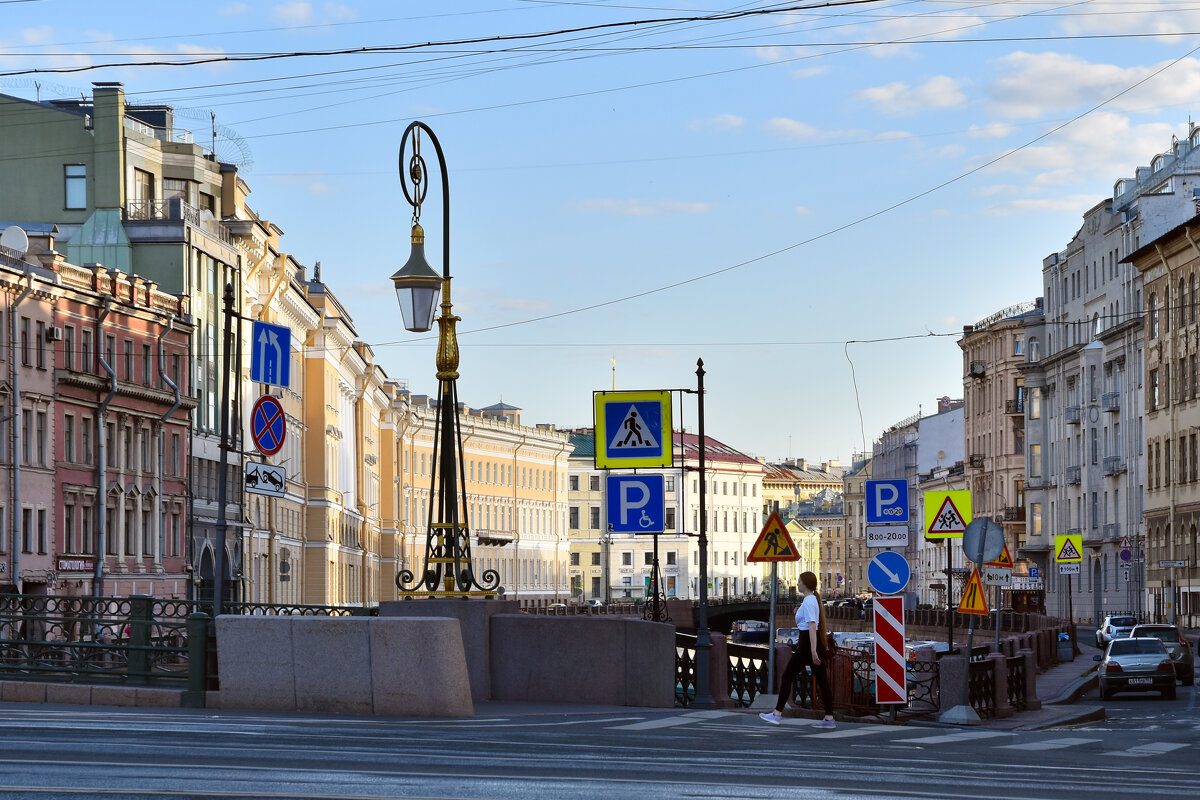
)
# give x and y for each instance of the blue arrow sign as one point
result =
(636, 503)
(270, 354)
(888, 572)
(887, 501)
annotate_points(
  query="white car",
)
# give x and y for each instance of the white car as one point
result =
(1114, 626)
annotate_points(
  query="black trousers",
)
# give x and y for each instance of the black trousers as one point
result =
(801, 658)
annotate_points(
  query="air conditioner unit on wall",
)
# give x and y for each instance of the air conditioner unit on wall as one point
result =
(54, 333)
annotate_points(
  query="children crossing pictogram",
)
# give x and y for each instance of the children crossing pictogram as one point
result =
(947, 520)
(974, 601)
(1068, 551)
(1004, 561)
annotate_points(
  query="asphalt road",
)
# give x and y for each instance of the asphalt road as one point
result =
(72, 752)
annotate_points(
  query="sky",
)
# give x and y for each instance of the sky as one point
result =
(813, 198)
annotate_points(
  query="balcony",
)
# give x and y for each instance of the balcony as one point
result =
(1074, 531)
(1040, 482)
(1073, 414)
(976, 460)
(1111, 401)
(1112, 532)
(1014, 514)
(175, 209)
(1114, 465)
(1014, 406)
(1074, 475)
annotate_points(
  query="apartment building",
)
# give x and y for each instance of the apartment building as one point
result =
(854, 495)
(1086, 465)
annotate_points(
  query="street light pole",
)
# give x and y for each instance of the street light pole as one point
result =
(448, 571)
(704, 698)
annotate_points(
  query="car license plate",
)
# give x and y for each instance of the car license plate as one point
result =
(1141, 681)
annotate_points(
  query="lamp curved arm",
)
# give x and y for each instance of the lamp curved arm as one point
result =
(421, 190)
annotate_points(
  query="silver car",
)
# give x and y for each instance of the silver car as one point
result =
(1177, 647)
(1114, 626)
(1136, 665)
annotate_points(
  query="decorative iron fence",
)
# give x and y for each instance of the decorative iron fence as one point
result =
(1016, 682)
(747, 673)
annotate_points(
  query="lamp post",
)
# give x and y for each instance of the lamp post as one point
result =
(447, 571)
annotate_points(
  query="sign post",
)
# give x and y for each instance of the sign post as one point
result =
(774, 544)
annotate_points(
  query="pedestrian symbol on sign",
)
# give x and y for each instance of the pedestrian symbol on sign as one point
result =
(632, 433)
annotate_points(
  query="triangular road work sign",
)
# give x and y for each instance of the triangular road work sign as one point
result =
(774, 543)
(1005, 560)
(974, 601)
(947, 520)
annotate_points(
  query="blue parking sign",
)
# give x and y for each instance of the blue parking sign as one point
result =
(887, 501)
(636, 503)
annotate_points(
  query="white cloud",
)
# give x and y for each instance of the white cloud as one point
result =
(1145, 16)
(939, 92)
(794, 129)
(719, 122)
(39, 35)
(994, 130)
(297, 13)
(940, 212)
(1071, 203)
(197, 50)
(809, 72)
(644, 208)
(908, 28)
(337, 12)
(995, 189)
(803, 211)
(952, 151)
(1031, 86)
(233, 9)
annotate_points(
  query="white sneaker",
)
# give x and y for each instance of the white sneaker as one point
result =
(773, 717)
(825, 723)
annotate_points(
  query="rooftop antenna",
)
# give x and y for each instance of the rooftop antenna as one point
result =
(38, 86)
(213, 114)
(614, 370)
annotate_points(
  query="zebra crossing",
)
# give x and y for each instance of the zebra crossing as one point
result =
(740, 722)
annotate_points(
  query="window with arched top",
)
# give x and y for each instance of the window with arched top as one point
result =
(1152, 316)
(1095, 324)
(1035, 352)
(1195, 137)
(1119, 188)
(1157, 164)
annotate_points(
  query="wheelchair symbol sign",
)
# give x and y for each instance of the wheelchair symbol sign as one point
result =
(636, 503)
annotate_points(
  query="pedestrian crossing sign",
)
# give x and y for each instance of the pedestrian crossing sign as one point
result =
(947, 514)
(1068, 548)
(633, 429)
(774, 543)
(1004, 561)
(974, 601)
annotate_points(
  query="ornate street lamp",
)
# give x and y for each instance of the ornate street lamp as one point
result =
(448, 571)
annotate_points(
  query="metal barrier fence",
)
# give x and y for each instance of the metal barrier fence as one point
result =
(139, 640)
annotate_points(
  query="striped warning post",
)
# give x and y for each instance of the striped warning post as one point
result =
(891, 680)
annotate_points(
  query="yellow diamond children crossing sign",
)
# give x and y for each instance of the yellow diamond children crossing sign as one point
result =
(633, 429)
(947, 514)
(774, 543)
(1068, 548)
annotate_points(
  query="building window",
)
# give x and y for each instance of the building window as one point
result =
(672, 558)
(26, 530)
(575, 559)
(626, 558)
(1153, 389)
(594, 483)
(41, 530)
(69, 438)
(595, 559)
(573, 483)
(85, 441)
(25, 341)
(41, 438)
(1153, 316)
(573, 518)
(127, 347)
(1035, 461)
(146, 372)
(87, 361)
(40, 339)
(669, 519)
(594, 517)
(69, 533)
(648, 558)
(69, 347)
(74, 186)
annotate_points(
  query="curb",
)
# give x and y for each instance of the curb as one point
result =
(1083, 715)
(1075, 690)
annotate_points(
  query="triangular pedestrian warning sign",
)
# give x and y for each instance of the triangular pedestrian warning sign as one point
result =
(973, 600)
(947, 520)
(1068, 551)
(774, 543)
(1005, 560)
(633, 432)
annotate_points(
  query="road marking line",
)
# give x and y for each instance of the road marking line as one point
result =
(670, 722)
(961, 736)
(1051, 744)
(858, 730)
(1148, 749)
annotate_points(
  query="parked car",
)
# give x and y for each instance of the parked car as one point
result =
(787, 636)
(1114, 626)
(1177, 647)
(1136, 665)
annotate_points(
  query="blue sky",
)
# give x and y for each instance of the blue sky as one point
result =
(767, 192)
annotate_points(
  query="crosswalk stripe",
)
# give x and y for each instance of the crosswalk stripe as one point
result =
(1049, 744)
(1147, 749)
(960, 736)
(671, 722)
(858, 730)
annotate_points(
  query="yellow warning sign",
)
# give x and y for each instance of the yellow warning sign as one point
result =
(947, 514)
(1068, 548)
(1004, 561)
(974, 601)
(774, 543)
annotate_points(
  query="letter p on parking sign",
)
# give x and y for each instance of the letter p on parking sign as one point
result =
(887, 501)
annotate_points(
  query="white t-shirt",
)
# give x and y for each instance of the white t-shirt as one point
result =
(808, 612)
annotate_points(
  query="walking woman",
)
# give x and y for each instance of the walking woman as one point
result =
(809, 652)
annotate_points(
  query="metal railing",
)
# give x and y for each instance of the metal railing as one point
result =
(1074, 475)
(1110, 401)
(1073, 414)
(1016, 682)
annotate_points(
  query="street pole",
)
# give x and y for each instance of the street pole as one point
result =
(223, 467)
(704, 698)
(771, 632)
